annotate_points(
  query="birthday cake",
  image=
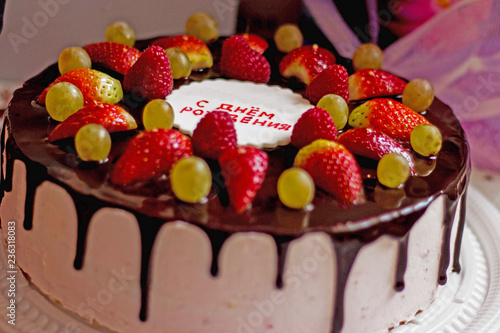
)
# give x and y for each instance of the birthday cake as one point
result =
(117, 240)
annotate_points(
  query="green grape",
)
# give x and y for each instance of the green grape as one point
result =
(202, 26)
(393, 170)
(120, 32)
(191, 179)
(367, 56)
(288, 37)
(62, 100)
(158, 113)
(418, 95)
(93, 143)
(295, 188)
(337, 107)
(72, 58)
(426, 140)
(179, 63)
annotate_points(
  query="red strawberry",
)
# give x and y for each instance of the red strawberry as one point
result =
(150, 77)
(112, 117)
(306, 62)
(150, 154)
(239, 61)
(198, 52)
(315, 123)
(96, 87)
(333, 169)
(115, 56)
(333, 80)
(244, 170)
(214, 134)
(257, 43)
(368, 83)
(371, 143)
(388, 116)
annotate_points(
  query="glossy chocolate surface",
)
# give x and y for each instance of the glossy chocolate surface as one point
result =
(30, 126)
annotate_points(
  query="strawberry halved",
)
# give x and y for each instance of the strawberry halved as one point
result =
(315, 123)
(371, 143)
(369, 83)
(238, 61)
(244, 170)
(96, 87)
(333, 80)
(306, 62)
(387, 116)
(112, 117)
(256, 42)
(115, 56)
(214, 134)
(150, 154)
(198, 52)
(151, 76)
(333, 169)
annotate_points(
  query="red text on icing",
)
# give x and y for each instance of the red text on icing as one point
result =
(246, 115)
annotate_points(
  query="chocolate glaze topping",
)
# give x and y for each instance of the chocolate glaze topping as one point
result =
(391, 212)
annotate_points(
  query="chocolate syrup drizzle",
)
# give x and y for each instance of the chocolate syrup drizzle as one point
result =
(346, 251)
(402, 262)
(218, 238)
(445, 245)
(149, 230)
(84, 210)
(349, 228)
(456, 267)
(282, 243)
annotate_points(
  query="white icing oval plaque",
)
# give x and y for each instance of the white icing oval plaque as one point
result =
(263, 115)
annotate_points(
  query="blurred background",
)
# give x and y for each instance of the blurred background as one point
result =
(35, 31)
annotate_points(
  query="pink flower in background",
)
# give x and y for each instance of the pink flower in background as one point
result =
(455, 44)
(410, 14)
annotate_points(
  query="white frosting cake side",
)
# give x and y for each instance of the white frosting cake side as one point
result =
(263, 115)
(243, 298)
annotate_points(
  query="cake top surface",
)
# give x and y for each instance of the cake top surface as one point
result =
(384, 210)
